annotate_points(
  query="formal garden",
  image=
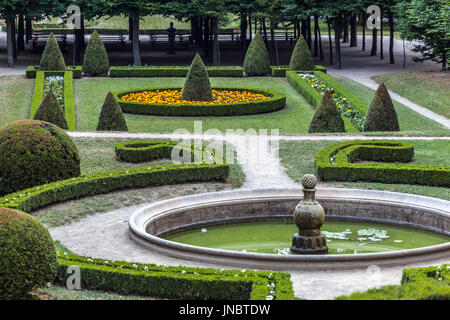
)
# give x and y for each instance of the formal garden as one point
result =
(246, 179)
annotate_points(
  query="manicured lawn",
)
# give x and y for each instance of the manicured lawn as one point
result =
(297, 157)
(91, 92)
(15, 98)
(97, 155)
(428, 89)
(294, 119)
(409, 120)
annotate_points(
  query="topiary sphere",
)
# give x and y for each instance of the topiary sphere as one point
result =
(28, 256)
(34, 153)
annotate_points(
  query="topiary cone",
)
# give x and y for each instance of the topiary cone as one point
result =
(257, 59)
(96, 61)
(52, 58)
(111, 117)
(381, 115)
(51, 111)
(301, 58)
(327, 117)
(197, 86)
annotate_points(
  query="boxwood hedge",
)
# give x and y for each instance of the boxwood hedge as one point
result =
(276, 102)
(176, 282)
(280, 71)
(339, 162)
(32, 71)
(169, 71)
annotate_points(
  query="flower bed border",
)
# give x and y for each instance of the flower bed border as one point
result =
(38, 94)
(275, 103)
(172, 71)
(344, 167)
(177, 282)
(32, 71)
(314, 97)
(280, 71)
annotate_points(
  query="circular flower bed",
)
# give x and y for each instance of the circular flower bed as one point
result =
(226, 102)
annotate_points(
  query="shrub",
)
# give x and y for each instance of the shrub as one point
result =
(76, 70)
(111, 117)
(327, 118)
(338, 162)
(28, 257)
(96, 62)
(51, 111)
(197, 86)
(301, 58)
(257, 58)
(381, 115)
(52, 58)
(172, 71)
(33, 153)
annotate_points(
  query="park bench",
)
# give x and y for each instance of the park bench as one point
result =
(43, 35)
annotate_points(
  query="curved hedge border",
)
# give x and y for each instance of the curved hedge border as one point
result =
(143, 151)
(338, 162)
(172, 71)
(276, 102)
(177, 282)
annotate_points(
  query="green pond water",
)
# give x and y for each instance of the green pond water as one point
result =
(275, 237)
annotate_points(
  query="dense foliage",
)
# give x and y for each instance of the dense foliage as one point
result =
(50, 111)
(111, 117)
(96, 61)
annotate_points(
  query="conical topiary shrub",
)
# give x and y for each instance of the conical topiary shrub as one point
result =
(52, 58)
(111, 117)
(381, 115)
(96, 62)
(301, 58)
(327, 117)
(197, 86)
(51, 111)
(257, 59)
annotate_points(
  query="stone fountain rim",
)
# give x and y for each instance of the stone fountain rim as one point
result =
(139, 220)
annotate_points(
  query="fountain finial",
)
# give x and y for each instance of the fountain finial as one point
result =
(309, 216)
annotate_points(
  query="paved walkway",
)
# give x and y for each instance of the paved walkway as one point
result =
(105, 235)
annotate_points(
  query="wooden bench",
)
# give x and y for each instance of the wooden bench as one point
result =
(43, 36)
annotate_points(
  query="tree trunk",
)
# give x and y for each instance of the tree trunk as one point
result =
(130, 29)
(10, 40)
(363, 23)
(14, 38)
(78, 43)
(216, 60)
(243, 31)
(265, 30)
(345, 27)
(316, 35)
(304, 29)
(136, 45)
(250, 31)
(373, 52)
(273, 50)
(21, 34)
(320, 43)
(353, 32)
(337, 42)
(381, 38)
(206, 37)
(29, 29)
(391, 39)
(308, 32)
(330, 42)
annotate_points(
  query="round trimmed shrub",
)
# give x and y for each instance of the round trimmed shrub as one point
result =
(96, 61)
(28, 256)
(52, 58)
(34, 153)
(257, 58)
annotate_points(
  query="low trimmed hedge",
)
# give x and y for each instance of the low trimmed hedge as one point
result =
(276, 102)
(440, 273)
(338, 162)
(169, 71)
(177, 282)
(143, 151)
(69, 105)
(312, 95)
(32, 71)
(108, 181)
(280, 71)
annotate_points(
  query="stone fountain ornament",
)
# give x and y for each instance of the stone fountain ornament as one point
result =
(309, 217)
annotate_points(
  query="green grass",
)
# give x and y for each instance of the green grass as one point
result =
(295, 118)
(428, 89)
(410, 121)
(297, 157)
(97, 155)
(15, 98)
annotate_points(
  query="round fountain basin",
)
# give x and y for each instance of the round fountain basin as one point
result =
(418, 228)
